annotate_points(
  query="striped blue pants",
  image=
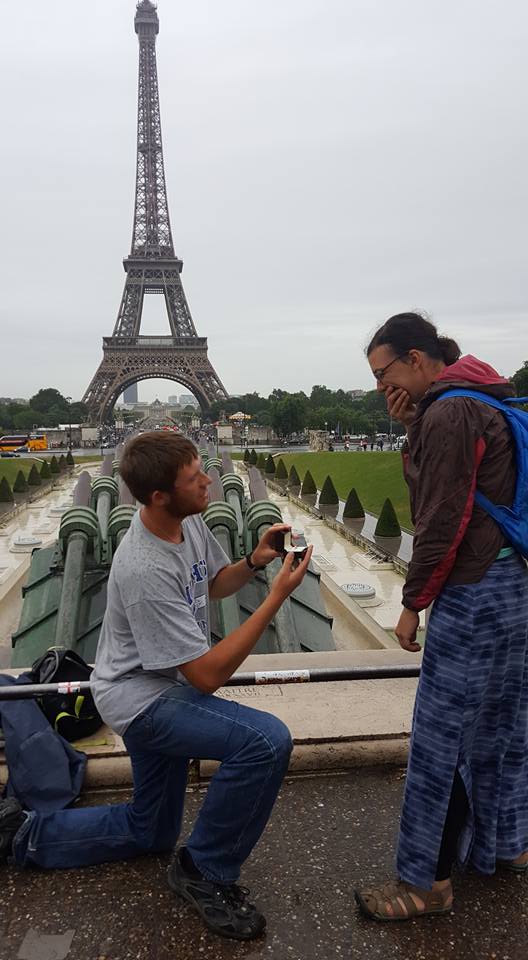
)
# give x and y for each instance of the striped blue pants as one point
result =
(471, 715)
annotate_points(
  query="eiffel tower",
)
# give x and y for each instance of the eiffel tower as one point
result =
(152, 267)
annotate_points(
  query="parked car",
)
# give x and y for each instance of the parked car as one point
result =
(9, 453)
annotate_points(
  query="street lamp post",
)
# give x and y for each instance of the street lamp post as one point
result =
(69, 399)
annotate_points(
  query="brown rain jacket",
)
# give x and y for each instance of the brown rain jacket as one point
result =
(454, 446)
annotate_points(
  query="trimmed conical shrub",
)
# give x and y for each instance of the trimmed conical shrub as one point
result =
(269, 469)
(294, 479)
(34, 479)
(6, 494)
(54, 464)
(353, 509)
(45, 472)
(308, 485)
(281, 474)
(253, 457)
(387, 525)
(20, 484)
(69, 459)
(328, 496)
(62, 463)
(261, 462)
(246, 455)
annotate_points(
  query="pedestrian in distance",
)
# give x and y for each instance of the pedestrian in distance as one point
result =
(154, 683)
(466, 790)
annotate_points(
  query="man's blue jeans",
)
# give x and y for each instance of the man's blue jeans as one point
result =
(254, 749)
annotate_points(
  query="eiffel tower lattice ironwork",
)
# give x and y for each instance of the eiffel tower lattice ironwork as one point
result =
(152, 268)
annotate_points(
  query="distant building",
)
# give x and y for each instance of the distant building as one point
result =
(188, 399)
(356, 394)
(131, 394)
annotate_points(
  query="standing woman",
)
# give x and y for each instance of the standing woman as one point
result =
(466, 791)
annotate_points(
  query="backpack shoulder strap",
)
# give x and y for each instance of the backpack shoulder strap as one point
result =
(476, 395)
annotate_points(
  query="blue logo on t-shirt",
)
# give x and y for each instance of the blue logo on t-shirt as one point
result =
(198, 575)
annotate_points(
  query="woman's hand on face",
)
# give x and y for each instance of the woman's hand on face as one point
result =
(399, 405)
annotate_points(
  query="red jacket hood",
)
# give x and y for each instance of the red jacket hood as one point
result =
(471, 370)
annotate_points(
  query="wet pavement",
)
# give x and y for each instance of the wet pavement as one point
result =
(326, 834)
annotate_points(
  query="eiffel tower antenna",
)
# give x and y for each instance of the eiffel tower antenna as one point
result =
(151, 268)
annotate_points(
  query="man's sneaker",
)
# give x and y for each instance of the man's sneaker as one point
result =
(12, 817)
(225, 909)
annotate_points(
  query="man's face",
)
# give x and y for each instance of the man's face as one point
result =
(189, 493)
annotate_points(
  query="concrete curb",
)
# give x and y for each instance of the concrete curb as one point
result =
(325, 757)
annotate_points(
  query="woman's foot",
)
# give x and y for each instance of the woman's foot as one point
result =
(519, 865)
(399, 900)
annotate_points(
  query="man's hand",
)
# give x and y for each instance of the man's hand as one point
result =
(399, 405)
(265, 550)
(406, 630)
(290, 575)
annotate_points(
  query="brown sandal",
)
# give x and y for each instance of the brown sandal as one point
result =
(373, 902)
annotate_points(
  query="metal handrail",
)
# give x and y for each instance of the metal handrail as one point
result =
(256, 678)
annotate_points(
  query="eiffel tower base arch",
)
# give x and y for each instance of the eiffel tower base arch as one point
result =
(127, 360)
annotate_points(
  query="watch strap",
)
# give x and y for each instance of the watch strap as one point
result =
(252, 566)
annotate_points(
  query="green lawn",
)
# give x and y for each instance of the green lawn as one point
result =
(374, 475)
(9, 467)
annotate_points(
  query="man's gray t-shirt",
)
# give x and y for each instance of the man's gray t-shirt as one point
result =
(157, 617)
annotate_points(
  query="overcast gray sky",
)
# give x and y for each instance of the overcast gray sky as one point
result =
(328, 163)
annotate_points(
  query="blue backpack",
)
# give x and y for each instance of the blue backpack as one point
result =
(513, 520)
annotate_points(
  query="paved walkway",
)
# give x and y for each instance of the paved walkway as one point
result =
(326, 834)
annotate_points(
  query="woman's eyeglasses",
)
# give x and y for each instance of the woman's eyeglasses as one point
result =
(381, 371)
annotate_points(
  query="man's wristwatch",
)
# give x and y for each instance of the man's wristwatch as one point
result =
(252, 566)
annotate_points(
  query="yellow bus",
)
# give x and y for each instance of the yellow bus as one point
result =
(23, 442)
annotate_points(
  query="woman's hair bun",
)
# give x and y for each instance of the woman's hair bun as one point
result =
(449, 349)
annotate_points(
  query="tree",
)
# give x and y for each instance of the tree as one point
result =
(294, 479)
(262, 418)
(25, 419)
(45, 472)
(79, 413)
(20, 484)
(34, 479)
(6, 494)
(353, 509)
(388, 524)
(281, 474)
(246, 455)
(289, 415)
(269, 467)
(520, 379)
(308, 485)
(56, 415)
(69, 459)
(253, 457)
(328, 496)
(261, 462)
(321, 396)
(54, 465)
(45, 400)
(62, 462)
